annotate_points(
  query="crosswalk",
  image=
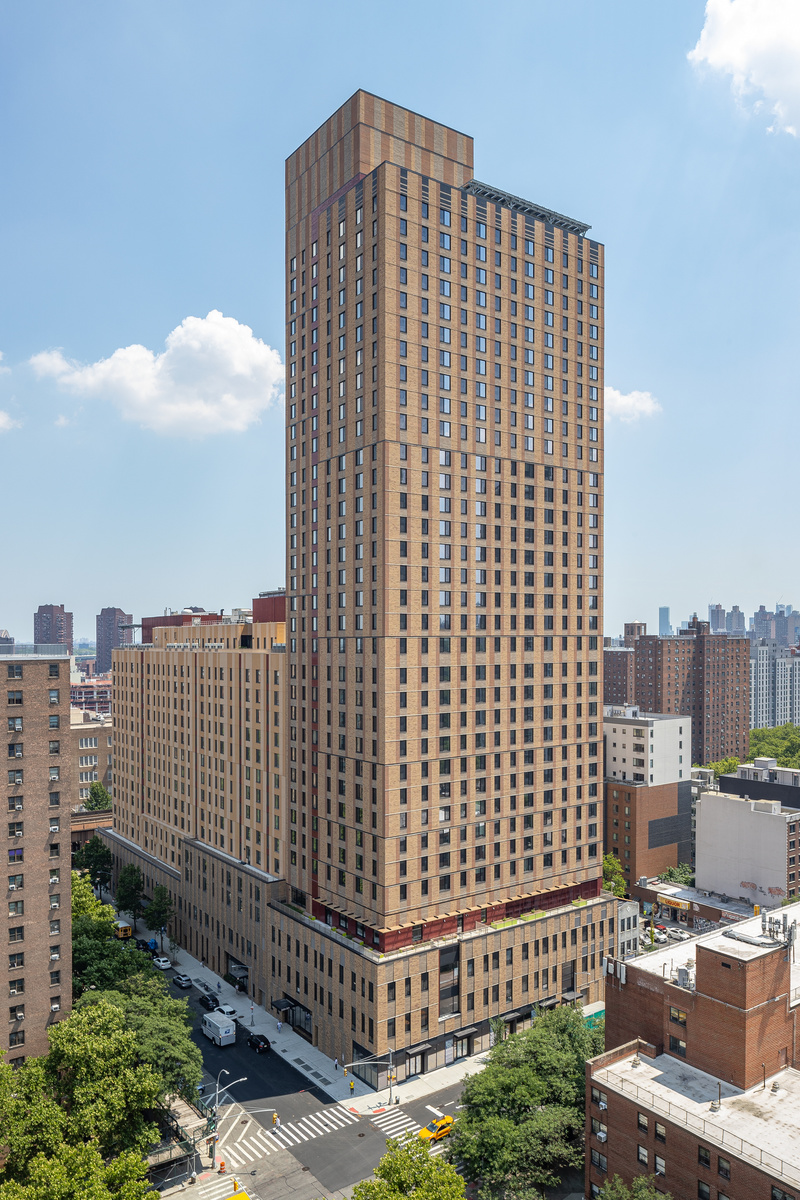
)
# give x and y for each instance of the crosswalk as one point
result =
(244, 1143)
(394, 1123)
(220, 1187)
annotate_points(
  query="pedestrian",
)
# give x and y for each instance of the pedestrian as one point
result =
(336, 1064)
(280, 1023)
(278, 1122)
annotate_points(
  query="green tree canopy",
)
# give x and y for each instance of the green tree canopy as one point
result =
(95, 1073)
(130, 891)
(407, 1169)
(725, 766)
(522, 1119)
(98, 800)
(96, 858)
(613, 877)
(782, 743)
(160, 910)
(79, 1173)
(163, 1027)
(682, 874)
(643, 1187)
(99, 959)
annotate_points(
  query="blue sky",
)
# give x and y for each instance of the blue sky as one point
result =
(143, 151)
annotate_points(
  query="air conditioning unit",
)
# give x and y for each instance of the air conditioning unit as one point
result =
(12, 887)
(55, 1007)
(602, 1104)
(54, 957)
(602, 1136)
(18, 807)
(17, 833)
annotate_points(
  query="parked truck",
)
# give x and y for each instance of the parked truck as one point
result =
(219, 1028)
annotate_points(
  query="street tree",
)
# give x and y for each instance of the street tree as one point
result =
(407, 1169)
(130, 892)
(643, 1187)
(31, 1120)
(98, 800)
(96, 858)
(613, 877)
(79, 1173)
(163, 1027)
(159, 911)
(522, 1117)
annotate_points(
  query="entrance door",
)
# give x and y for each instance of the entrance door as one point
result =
(414, 1065)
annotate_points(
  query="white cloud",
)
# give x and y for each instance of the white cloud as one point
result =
(7, 422)
(757, 43)
(3, 370)
(61, 421)
(630, 406)
(215, 376)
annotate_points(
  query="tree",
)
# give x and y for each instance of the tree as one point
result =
(159, 911)
(522, 1119)
(31, 1121)
(781, 743)
(407, 1169)
(94, 1071)
(98, 800)
(613, 877)
(682, 874)
(163, 1027)
(79, 1173)
(130, 891)
(99, 960)
(643, 1187)
(726, 766)
(96, 858)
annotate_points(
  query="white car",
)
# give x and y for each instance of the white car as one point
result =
(658, 937)
(226, 1009)
(162, 962)
(678, 934)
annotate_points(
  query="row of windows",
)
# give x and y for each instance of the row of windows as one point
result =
(14, 671)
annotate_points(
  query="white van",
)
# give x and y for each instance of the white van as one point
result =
(219, 1028)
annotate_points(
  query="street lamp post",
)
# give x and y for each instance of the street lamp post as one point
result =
(216, 1107)
(375, 1058)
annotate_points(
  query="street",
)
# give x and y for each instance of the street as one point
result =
(332, 1143)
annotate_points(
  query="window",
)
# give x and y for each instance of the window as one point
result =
(703, 1156)
(777, 1194)
(598, 1097)
(703, 1190)
(642, 1154)
(599, 1160)
(678, 1016)
(390, 1027)
(677, 1046)
(641, 1122)
(661, 1166)
(724, 1167)
(661, 1132)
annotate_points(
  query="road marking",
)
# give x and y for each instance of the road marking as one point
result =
(435, 1111)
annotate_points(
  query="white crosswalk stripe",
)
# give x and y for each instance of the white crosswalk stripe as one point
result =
(256, 1142)
(395, 1123)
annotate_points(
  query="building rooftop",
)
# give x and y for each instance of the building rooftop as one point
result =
(744, 940)
(632, 712)
(507, 200)
(31, 650)
(758, 1124)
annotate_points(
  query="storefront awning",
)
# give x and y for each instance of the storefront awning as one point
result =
(462, 1033)
(512, 1016)
(573, 995)
(549, 1002)
(418, 1049)
(282, 1005)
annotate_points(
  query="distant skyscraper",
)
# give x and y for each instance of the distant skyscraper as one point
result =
(664, 627)
(735, 622)
(109, 635)
(52, 626)
(716, 618)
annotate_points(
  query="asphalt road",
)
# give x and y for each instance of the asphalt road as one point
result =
(338, 1159)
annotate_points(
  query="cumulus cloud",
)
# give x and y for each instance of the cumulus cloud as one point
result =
(214, 376)
(757, 43)
(630, 406)
(7, 422)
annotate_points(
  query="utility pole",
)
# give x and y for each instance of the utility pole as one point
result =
(216, 1107)
(375, 1058)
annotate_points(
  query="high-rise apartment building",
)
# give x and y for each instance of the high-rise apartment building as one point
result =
(735, 622)
(39, 787)
(619, 675)
(111, 634)
(52, 626)
(633, 630)
(704, 676)
(716, 618)
(444, 570)
(664, 627)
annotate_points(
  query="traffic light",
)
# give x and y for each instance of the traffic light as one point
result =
(345, 1072)
(212, 1125)
(274, 1118)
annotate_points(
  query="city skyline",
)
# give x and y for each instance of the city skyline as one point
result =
(97, 269)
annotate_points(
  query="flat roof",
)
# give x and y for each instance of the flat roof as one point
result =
(758, 1124)
(693, 895)
(728, 941)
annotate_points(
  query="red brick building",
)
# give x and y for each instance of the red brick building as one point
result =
(699, 1084)
(619, 675)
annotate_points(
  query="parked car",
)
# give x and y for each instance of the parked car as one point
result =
(182, 981)
(678, 935)
(162, 962)
(227, 1009)
(663, 928)
(438, 1128)
(208, 1002)
(259, 1043)
(142, 945)
(659, 936)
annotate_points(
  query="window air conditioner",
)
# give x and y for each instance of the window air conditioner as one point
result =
(55, 1007)
(12, 887)
(54, 957)
(602, 1136)
(602, 1104)
(18, 807)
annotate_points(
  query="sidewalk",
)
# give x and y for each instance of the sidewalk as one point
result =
(419, 1086)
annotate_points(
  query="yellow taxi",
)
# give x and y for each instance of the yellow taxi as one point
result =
(438, 1128)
